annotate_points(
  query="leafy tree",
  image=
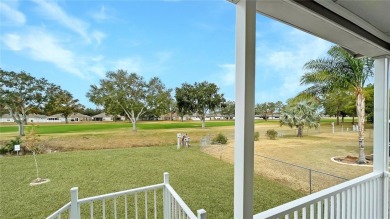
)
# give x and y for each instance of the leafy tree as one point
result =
(21, 94)
(199, 98)
(300, 114)
(158, 97)
(369, 94)
(128, 93)
(340, 70)
(335, 103)
(91, 112)
(62, 102)
(172, 108)
(32, 143)
(272, 108)
(184, 99)
(228, 109)
(262, 110)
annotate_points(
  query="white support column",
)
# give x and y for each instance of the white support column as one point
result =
(381, 126)
(245, 98)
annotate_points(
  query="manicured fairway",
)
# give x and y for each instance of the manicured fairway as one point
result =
(201, 180)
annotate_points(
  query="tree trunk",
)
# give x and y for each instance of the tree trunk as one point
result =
(36, 164)
(134, 122)
(203, 123)
(353, 120)
(338, 118)
(300, 131)
(21, 128)
(66, 119)
(360, 108)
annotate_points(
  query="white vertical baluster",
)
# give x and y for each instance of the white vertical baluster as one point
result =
(343, 205)
(136, 205)
(312, 211)
(146, 204)
(376, 196)
(304, 212)
(362, 200)
(358, 200)
(371, 199)
(353, 199)
(348, 204)
(91, 209)
(338, 206)
(332, 207)
(319, 210)
(295, 214)
(366, 200)
(326, 208)
(287, 216)
(125, 206)
(155, 205)
(115, 213)
(104, 208)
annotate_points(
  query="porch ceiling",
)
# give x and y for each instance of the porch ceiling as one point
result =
(363, 27)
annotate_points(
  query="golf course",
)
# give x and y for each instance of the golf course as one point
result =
(104, 157)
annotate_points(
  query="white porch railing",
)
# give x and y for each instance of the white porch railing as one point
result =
(134, 203)
(357, 198)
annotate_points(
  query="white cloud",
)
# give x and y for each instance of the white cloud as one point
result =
(12, 16)
(227, 76)
(131, 64)
(53, 11)
(98, 36)
(101, 14)
(284, 62)
(12, 41)
(44, 47)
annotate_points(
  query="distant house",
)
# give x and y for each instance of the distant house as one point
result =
(78, 117)
(102, 117)
(55, 118)
(36, 118)
(6, 118)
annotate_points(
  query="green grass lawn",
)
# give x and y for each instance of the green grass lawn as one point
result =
(104, 126)
(201, 180)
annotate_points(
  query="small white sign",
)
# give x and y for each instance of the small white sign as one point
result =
(178, 135)
(16, 147)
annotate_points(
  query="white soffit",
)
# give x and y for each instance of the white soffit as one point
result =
(358, 26)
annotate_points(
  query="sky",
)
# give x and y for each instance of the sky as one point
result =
(73, 44)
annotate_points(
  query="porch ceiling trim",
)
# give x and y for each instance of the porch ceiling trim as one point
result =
(336, 22)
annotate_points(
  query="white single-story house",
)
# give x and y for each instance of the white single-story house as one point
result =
(102, 117)
(78, 117)
(6, 118)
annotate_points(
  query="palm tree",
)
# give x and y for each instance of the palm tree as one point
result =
(341, 71)
(300, 114)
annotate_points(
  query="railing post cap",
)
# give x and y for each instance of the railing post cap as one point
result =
(201, 211)
(74, 189)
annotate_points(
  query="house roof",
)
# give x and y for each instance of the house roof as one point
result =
(78, 115)
(362, 27)
(101, 115)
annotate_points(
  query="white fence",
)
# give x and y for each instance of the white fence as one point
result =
(358, 198)
(155, 201)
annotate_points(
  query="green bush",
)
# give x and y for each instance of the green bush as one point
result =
(219, 139)
(257, 136)
(271, 134)
(9, 147)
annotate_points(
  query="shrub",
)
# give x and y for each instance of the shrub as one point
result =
(257, 136)
(219, 139)
(271, 134)
(9, 147)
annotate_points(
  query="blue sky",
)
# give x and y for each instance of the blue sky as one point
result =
(74, 43)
